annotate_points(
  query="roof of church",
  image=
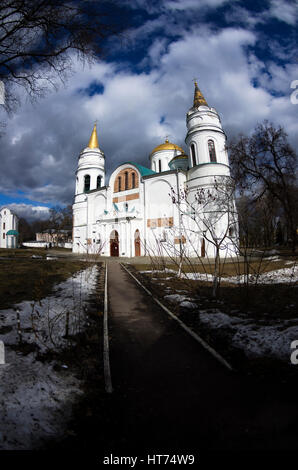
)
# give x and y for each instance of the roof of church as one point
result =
(142, 169)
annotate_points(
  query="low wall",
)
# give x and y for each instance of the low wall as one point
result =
(35, 244)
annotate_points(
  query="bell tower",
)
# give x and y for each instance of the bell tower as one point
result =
(91, 166)
(205, 139)
(209, 170)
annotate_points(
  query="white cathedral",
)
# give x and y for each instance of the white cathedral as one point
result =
(169, 209)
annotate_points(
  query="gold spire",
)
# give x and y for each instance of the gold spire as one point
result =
(198, 99)
(93, 142)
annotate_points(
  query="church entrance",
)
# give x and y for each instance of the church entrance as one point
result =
(137, 243)
(203, 250)
(114, 243)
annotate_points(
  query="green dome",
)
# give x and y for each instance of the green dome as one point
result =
(180, 162)
(12, 232)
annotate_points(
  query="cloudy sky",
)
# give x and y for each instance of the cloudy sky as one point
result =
(243, 54)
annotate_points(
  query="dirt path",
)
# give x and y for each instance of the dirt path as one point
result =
(171, 395)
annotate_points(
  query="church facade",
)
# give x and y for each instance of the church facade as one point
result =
(181, 205)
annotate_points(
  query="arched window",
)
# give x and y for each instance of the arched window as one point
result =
(126, 207)
(133, 180)
(86, 183)
(119, 183)
(126, 180)
(159, 166)
(98, 184)
(211, 148)
(193, 155)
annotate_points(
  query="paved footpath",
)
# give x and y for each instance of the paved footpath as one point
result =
(171, 395)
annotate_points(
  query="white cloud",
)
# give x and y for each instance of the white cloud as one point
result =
(29, 212)
(284, 10)
(193, 4)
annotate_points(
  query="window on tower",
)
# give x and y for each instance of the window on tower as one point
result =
(212, 153)
(133, 180)
(193, 155)
(119, 183)
(126, 180)
(98, 184)
(159, 166)
(86, 183)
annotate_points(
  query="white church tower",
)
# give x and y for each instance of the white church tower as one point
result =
(91, 166)
(209, 172)
(90, 176)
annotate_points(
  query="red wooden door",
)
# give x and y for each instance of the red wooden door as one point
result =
(114, 243)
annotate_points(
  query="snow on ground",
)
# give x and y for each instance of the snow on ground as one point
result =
(48, 317)
(182, 300)
(279, 276)
(174, 298)
(188, 304)
(36, 400)
(255, 340)
(253, 337)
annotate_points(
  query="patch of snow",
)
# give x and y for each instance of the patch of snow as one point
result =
(280, 276)
(188, 304)
(36, 401)
(266, 341)
(254, 339)
(272, 252)
(48, 316)
(175, 298)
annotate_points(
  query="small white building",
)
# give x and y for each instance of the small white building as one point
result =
(8, 228)
(169, 209)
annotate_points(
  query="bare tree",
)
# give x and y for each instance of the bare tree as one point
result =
(210, 216)
(38, 40)
(265, 164)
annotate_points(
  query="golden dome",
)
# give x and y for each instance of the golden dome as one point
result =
(167, 146)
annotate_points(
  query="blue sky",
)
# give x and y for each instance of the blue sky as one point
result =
(244, 55)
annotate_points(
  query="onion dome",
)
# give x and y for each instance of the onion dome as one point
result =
(180, 162)
(167, 146)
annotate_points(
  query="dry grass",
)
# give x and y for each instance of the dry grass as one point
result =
(231, 268)
(262, 301)
(24, 278)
